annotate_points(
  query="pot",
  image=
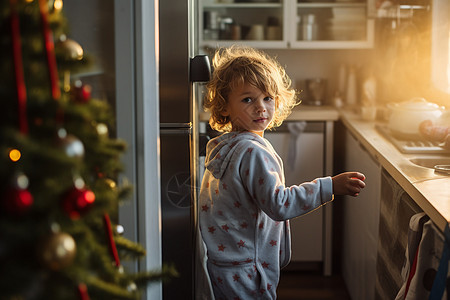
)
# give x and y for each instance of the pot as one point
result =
(405, 117)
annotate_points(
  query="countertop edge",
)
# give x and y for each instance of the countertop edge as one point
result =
(391, 160)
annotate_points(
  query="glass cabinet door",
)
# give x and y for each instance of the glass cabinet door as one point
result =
(339, 24)
(257, 23)
(296, 24)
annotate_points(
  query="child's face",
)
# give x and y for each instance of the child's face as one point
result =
(249, 109)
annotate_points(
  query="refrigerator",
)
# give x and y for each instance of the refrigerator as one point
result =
(181, 70)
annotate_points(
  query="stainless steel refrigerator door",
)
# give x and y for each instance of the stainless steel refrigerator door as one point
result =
(175, 53)
(177, 208)
(178, 69)
(176, 139)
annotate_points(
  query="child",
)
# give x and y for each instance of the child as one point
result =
(244, 206)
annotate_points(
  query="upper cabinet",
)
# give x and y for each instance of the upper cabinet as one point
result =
(296, 24)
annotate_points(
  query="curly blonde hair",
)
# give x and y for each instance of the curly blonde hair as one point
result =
(234, 66)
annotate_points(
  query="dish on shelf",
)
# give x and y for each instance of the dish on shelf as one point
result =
(346, 34)
(256, 1)
(349, 13)
(347, 1)
(315, 1)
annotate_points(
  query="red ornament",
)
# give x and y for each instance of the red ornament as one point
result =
(78, 201)
(17, 201)
(81, 93)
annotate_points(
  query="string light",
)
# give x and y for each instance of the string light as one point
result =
(89, 197)
(14, 155)
(57, 5)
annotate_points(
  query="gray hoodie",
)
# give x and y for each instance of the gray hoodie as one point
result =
(244, 208)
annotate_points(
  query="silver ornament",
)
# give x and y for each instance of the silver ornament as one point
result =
(120, 229)
(131, 287)
(72, 146)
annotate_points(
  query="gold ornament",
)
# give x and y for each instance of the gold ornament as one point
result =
(57, 251)
(102, 130)
(71, 49)
(111, 183)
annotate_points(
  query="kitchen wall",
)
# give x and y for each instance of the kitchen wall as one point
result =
(91, 24)
(305, 64)
(400, 61)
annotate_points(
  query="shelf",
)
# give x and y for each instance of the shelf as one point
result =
(331, 5)
(278, 4)
(276, 44)
(243, 5)
(332, 44)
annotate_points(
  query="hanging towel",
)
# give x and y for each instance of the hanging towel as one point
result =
(441, 281)
(396, 210)
(295, 130)
(423, 254)
(409, 267)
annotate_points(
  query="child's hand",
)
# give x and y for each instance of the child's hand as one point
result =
(348, 183)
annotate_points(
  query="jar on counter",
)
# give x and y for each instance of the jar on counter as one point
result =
(352, 89)
(337, 100)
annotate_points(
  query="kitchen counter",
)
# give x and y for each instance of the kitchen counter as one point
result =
(313, 113)
(430, 190)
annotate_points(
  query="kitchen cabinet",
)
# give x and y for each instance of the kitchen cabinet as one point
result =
(311, 234)
(360, 223)
(295, 24)
(406, 189)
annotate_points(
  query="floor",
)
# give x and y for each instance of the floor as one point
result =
(311, 285)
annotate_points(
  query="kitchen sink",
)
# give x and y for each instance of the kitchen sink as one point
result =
(430, 162)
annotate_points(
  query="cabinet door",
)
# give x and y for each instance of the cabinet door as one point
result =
(256, 23)
(340, 24)
(272, 24)
(306, 165)
(360, 224)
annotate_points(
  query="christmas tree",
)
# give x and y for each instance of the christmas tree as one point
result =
(59, 237)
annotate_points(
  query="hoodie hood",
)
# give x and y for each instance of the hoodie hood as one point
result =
(220, 150)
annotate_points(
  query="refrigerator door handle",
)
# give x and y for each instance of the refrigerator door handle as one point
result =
(200, 69)
(175, 128)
